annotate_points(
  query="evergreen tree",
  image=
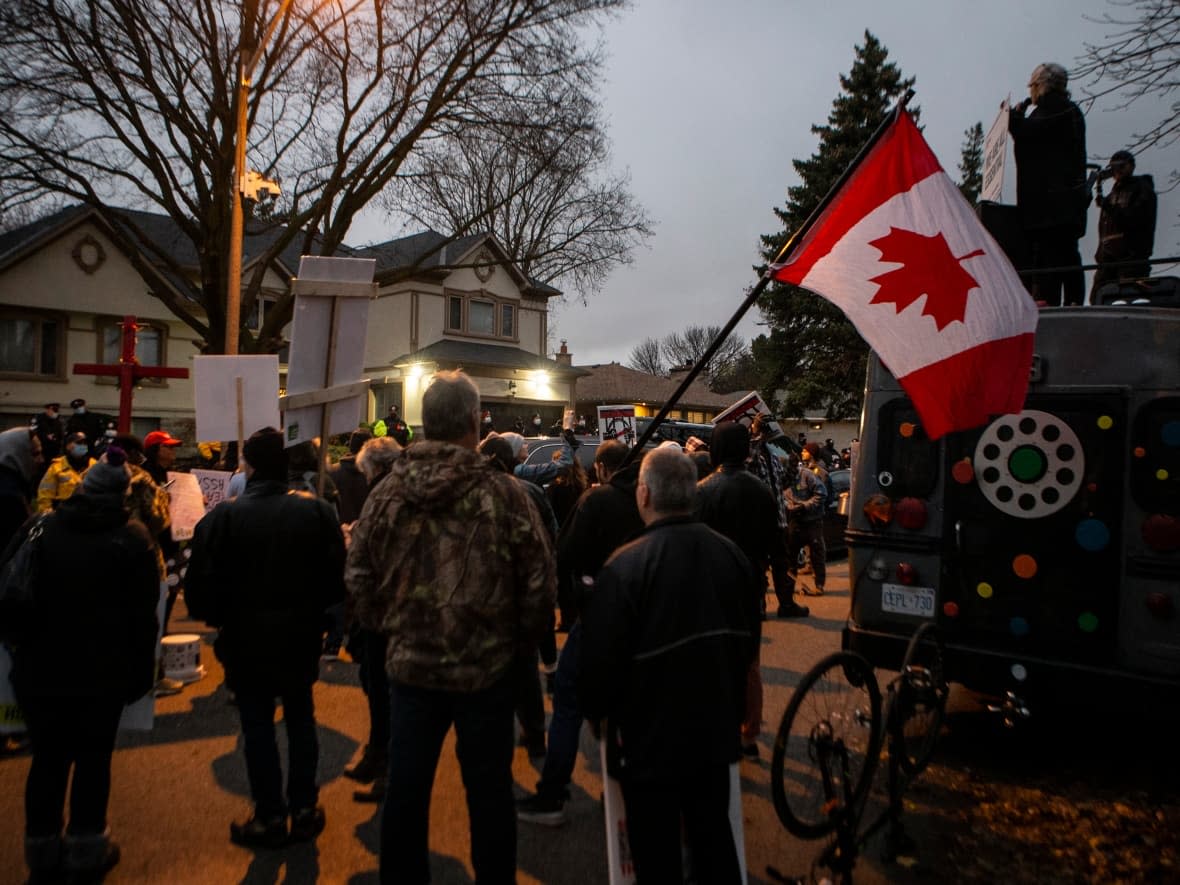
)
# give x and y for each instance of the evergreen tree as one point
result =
(813, 360)
(971, 164)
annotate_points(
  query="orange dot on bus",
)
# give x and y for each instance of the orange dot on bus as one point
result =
(963, 472)
(1024, 566)
(1139, 451)
(907, 429)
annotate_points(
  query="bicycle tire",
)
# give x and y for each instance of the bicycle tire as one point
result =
(837, 700)
(918, 706)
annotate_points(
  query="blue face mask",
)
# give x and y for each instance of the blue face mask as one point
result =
(79, 451)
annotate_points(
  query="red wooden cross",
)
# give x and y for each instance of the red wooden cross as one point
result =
(128, 371)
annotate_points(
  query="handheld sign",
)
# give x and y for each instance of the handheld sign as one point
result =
(995, 149)
(617, 423)
(745, 409)
(325, 391)
(235, 392)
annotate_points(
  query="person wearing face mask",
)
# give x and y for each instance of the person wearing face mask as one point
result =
(85, 421)
(64, 474)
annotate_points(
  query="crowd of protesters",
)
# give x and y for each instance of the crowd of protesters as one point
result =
(445, 559)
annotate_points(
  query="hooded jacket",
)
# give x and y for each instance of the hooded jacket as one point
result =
(93, 632)
(16, 481)
(449, 559)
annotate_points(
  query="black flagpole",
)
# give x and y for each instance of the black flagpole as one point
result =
(784, 253)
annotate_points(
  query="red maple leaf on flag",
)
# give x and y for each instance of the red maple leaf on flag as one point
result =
(927, 268)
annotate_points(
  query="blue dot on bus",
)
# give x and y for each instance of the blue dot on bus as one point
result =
(1170, 433)
(1018, 626)
(1092, 535)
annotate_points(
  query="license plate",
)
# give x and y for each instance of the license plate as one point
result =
(917, 602)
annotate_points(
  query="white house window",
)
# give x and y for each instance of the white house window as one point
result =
(31, 343)
(262, 305)
(481, 315)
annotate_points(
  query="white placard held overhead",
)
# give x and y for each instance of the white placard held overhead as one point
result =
(215, 379)
(325, 395)
(617, 423)
(995, 150)
(744, 410)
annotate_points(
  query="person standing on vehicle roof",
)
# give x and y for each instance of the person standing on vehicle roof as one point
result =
(1126, 225)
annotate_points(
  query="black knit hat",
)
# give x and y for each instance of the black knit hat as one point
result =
(108, 476)
(265, 453)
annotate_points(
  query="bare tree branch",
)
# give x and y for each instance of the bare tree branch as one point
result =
(131, 104)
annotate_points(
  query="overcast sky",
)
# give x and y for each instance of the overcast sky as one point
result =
(708, 102)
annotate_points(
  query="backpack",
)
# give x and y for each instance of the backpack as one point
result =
(18, 582)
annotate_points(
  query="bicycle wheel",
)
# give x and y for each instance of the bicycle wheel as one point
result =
(918, 706)
(827, 744)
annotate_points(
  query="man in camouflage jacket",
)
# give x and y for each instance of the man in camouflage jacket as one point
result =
(451, 561)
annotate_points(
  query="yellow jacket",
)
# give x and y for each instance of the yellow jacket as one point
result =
(59, 483)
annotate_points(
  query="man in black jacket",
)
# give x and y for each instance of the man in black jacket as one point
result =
(669, 636)
(1051, 195)
(737, 504)
(605, 517)
(264, 568)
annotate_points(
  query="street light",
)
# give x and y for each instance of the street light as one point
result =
(233, 288)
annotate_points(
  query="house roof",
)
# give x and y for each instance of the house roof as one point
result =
(430, 248)
(450, 353)
(609, 383)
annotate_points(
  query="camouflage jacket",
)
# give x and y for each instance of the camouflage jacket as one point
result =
(450, 559)
(149, 503)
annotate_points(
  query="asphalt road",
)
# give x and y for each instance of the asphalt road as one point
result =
(176, 788)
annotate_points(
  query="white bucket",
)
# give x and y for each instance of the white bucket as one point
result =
(181, 654)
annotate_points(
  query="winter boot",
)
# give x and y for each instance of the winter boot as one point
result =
(43, 855)
(89, 856)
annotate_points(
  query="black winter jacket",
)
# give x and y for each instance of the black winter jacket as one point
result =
(264, 568)
(605, 518)
(1126, 227)
(737, 504)
(667, 641)
(351, 486)
(1050, 149)
(94, 627)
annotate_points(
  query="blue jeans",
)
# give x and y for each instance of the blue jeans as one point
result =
(257, 711)
(483, 731)
(566, 725)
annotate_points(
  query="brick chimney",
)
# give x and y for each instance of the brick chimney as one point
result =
(563, 356)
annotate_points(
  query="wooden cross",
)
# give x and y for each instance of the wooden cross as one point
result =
(128, 371)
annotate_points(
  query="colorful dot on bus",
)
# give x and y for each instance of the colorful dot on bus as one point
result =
(907, 429)
(1170, 433)
(1024, 566)
(1019, 672)
(985, 590)
(1018, 626)
(1105, 422)
(963, 472)
(1139, 451)
(1161, 474)
(950, 609)
(1092, 535)
(1088, 622)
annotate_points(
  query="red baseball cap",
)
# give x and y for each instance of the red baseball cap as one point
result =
(160, 438)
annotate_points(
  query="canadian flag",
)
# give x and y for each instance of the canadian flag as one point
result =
(900, 251)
